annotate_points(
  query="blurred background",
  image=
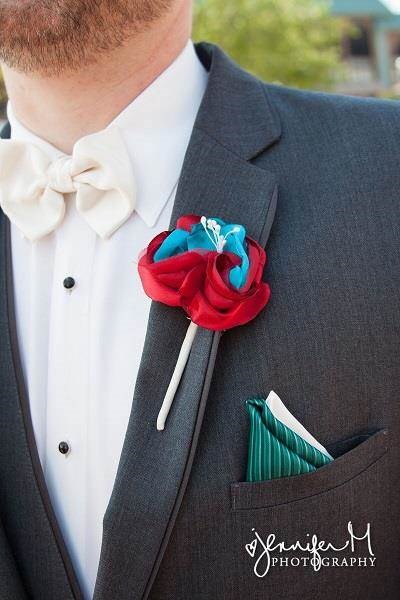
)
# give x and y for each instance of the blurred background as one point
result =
(343, 46)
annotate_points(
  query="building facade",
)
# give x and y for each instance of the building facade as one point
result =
(371, 52)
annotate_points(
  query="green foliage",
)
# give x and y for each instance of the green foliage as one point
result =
(391, 94)
(293, 42)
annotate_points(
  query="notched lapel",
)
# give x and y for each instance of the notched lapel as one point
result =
(155, 466)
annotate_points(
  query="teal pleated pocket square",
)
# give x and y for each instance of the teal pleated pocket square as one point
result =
(279, 445)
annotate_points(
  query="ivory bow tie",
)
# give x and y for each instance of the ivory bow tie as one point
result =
(32, 187)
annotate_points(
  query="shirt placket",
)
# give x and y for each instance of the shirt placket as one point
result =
(68, 388)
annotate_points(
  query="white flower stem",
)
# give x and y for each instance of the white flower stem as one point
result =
(177, 375)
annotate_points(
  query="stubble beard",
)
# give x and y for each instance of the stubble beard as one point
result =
(51, 37)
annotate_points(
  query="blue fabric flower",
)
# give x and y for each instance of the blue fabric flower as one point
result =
(210, 234)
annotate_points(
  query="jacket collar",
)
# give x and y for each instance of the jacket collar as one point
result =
(236, 110)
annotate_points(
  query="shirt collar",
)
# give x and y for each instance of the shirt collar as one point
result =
(156, 127)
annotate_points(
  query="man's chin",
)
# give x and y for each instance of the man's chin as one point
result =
(50, 38)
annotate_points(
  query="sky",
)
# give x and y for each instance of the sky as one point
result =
(393, 5)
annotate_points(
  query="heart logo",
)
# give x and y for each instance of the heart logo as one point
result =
(251, 548)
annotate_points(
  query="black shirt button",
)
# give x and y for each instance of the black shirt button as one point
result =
(63, 447)
(69, 283)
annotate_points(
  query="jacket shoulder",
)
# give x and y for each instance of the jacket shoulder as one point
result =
(350, 112)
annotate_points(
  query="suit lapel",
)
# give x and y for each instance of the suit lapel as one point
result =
(26, 512)
(234, 124)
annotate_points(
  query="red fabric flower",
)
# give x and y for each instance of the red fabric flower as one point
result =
(198, 281)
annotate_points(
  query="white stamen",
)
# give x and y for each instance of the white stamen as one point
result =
(207, 226)
(217, 240)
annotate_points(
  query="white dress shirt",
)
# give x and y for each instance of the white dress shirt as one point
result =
(81, 348)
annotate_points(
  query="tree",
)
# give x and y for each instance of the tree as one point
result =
(293, 42)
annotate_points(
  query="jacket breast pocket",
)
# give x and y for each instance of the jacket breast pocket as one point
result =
(349, 464)
(349, 496)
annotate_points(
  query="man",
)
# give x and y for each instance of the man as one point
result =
(118, 126)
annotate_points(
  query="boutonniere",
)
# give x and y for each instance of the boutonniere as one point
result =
(210, 269)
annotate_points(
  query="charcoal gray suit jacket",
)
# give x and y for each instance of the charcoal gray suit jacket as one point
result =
(316, 179)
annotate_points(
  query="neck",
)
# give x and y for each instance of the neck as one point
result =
(65, 108)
